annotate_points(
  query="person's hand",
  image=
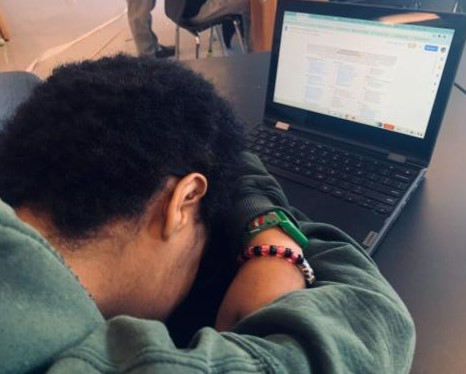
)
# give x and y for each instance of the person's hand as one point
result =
(260, 280)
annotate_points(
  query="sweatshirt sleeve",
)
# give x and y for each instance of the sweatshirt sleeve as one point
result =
(349, 321)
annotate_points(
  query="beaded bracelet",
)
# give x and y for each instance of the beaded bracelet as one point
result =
(282, 252)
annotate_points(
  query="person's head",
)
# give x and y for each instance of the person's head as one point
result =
(123, 164)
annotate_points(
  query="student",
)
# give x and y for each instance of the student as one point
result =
(140, 23)
(115, 175)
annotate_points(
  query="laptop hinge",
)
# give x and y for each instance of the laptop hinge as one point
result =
(396, 157)
(282, 126)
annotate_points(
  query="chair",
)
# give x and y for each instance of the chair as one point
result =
(459, 6)
(174, 10)
(15, 88)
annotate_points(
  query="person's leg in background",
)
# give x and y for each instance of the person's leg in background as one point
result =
(140, 24)
(216, 8)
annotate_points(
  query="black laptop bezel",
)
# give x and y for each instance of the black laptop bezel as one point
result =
(414, 149)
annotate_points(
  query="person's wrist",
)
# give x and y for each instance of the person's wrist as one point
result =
(276, 236)
(276, 218)
(280, 252)
(267, 268)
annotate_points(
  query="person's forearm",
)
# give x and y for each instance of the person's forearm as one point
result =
(260, 280)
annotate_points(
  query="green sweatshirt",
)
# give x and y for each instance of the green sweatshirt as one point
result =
(349, 321)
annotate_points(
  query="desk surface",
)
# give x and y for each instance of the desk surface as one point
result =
(424, 254)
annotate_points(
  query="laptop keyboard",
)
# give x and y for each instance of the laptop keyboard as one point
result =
(370, 183)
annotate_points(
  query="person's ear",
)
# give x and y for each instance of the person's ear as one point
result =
(183, 204)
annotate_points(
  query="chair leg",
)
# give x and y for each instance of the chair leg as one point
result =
(177, 43)
(220, 39)
(238, 34)
(210, 51)
(458, 7)
(198, 45)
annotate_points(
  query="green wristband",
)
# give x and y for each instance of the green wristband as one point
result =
(273, 219)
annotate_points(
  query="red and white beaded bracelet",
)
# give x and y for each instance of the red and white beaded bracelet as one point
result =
(282, 252)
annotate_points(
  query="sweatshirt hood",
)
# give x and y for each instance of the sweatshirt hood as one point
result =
(44, 308)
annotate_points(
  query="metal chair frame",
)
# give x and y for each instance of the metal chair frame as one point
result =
(214, 26)
(174, 10)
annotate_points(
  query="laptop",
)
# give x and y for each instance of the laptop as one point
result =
(355, 99)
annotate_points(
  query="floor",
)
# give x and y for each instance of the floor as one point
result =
(46, 33)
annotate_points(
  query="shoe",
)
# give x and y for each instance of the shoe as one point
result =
(165, 51)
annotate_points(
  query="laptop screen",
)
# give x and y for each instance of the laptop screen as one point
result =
(363, 71)
(364, 75)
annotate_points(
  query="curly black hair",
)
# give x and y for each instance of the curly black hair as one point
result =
(97, 139)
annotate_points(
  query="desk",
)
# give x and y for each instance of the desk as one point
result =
(424, 254)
